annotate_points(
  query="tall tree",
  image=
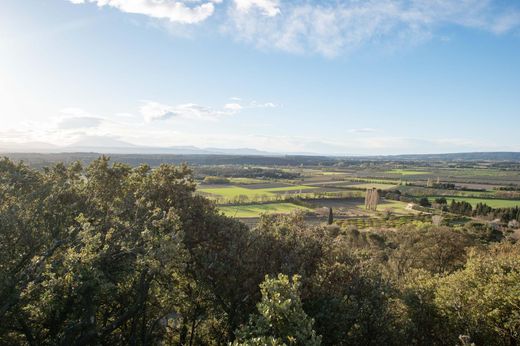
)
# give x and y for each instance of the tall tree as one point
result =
(280, 319)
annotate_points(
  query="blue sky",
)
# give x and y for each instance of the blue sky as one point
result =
(330, 77)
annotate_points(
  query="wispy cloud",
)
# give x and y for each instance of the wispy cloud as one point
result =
(179, 11)
(328, 27)
(233, 106)
(256, 104)
(269, 8)
(154, 111)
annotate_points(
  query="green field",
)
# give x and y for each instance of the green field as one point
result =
(494, 203)
(289, 188)
(396, 207)
(333, 173)
(235, 191)
(479, 172)
(255, 210)
(406, 172)
(246, 181)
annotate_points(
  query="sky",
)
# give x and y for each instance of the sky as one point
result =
(351, 77)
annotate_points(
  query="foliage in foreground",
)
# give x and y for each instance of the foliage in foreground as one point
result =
(110, 254)
(281, 319)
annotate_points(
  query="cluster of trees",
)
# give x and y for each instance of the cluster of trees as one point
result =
(461, 208)
(234, 171)
(509, 188)
(444, 186)
(110, 254)
(215, 180)
(195, 160)
(299, 197)
(504, 214)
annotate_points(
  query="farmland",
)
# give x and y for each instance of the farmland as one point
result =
(250, 186)
(230, 193)
(246, 187)
(235, 191)
(316, 189)
(255, 210)
(406, 172)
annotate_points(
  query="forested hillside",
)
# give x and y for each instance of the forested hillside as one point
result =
(117, 255)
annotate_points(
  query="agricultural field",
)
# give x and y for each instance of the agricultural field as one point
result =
(406, 172)
(355, 207)
(245, 190)
(334, 173)
(343, 190)
(245, 181)
(289, 188)
(479, 172)
(255, 210)
(395, 207)
(230, 193)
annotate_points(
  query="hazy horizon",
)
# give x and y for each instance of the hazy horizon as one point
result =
(323, 77)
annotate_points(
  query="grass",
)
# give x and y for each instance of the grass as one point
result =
(396, 207)
(334, 173)
(479, 172)
(493, 203)
(234, 191)
(246, 181)
(289, 188)
(255, 210)
(406, 172)
(231, 192)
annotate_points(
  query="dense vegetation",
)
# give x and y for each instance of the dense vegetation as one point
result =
(111, 254)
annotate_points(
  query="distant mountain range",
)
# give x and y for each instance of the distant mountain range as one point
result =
(113, 146)
(103, 145)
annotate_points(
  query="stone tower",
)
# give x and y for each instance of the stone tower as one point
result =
(371, 199)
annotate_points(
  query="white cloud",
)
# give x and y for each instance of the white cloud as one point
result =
(187, 11)
(233, 106)
(327, 27)
(269, 8)
(255, 104)
(153, 111)
(330, 28)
